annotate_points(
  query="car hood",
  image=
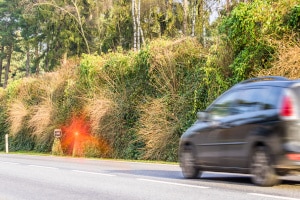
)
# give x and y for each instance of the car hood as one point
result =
(195, 128)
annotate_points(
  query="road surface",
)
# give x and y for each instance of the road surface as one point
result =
(25, 177)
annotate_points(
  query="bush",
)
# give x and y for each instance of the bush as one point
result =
(251, 28)
(3, 119)
(293, 19)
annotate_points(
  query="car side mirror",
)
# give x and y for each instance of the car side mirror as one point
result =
(203, 116)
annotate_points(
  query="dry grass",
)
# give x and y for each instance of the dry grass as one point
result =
(27, 88)
(156, 128)
(41, 117)
(105, 121)
(2, 94)
(17, 112)
(50, 81)
(221, 56)
(164, 62)
(40, 110)
(95, 147)
(97, 108)
(288, 62)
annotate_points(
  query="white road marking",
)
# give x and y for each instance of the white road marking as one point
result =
(39, 166)
(272, 196)
(94, 173)
(170, 183)
(11, 163)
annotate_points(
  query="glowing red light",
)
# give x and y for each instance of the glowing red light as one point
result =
(78, 134)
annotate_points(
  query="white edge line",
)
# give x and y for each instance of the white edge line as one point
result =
(273, 196)
(170, 183)
(95, 173)
(39, 166)
(11, 163)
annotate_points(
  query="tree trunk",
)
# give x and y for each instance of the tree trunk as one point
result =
(140, 30)
(7, 67)
(65, 57)
(47, 68)
(202, 11)
(227, 6)
(37, 62)
(1, 63)
(138, 25)
(185, 16)
(194, 17)
(134, 26)
(27, 62)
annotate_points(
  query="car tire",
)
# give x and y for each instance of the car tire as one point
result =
(262, 170)
(187, 163)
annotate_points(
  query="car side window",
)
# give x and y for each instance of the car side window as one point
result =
(257, 99)
(224, 106)
(269, 97)
(248, 101)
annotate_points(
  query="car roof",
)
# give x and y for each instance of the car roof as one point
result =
(266, 81)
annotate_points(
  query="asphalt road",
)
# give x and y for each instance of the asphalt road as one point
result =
(47, 177)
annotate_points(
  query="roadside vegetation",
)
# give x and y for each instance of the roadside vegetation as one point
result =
(122, 103)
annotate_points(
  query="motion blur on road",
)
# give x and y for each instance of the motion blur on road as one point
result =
(46, 177)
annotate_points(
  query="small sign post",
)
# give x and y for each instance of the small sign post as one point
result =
(56, 147)
(6, 143)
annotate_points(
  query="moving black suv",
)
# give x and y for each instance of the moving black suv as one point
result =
(252, 128)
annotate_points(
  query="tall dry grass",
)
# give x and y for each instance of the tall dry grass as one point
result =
(17, 111)
(288, 60)
(31, 104)
(156, 129)
(97, 108)
(41, 117)
(2, 93)
(169, 60)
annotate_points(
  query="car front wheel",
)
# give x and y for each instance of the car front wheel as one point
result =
(261, 168)
(187, 159)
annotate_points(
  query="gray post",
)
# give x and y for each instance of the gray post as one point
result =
(6, 143)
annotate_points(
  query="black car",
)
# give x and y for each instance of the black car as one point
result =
(252, 128)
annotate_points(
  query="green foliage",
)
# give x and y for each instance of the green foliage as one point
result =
(22, 141)
(3, 120)
(117, 28)
(293, 18)
(251, 60)
(250, 28)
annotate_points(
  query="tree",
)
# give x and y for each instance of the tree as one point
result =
(57, 29)
(138, 35)
(185, 16)
(1, 63)
(9, 24)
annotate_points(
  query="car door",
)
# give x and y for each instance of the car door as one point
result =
(255, 108)
(210, 148)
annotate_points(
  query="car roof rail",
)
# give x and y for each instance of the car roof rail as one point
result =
(265, 78)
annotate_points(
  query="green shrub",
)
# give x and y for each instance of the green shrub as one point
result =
(251, 29)
(3, 119)
(293, 18)
(22, 141)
